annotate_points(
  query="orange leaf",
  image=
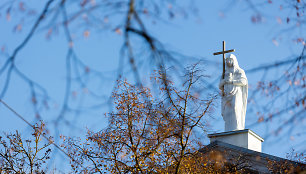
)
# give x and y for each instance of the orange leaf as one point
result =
(118, 31)
(86, 33)
(260, 119)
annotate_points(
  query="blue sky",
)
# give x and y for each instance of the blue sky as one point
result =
(199, 36)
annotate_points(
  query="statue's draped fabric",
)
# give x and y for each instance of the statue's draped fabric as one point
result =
(234, 98)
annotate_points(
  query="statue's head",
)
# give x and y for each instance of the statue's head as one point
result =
(231, 61)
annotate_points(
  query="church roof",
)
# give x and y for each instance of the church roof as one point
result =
(226, 146)
(257, 162)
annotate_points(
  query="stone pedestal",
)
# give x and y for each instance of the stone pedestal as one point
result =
(242, 138)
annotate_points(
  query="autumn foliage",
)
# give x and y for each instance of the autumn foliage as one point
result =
(145, 134)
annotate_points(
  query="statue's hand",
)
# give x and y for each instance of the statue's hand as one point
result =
(221, 84)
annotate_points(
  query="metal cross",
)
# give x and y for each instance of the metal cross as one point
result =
(224, 52)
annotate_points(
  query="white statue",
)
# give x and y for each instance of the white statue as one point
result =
(234, 98)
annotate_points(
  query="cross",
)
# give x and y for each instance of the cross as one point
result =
(224, 52)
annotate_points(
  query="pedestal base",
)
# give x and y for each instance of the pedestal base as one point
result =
(242, 138)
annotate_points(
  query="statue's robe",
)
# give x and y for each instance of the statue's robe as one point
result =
(234, 101)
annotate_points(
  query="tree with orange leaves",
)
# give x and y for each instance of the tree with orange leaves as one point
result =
(145, 133)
